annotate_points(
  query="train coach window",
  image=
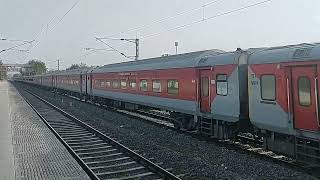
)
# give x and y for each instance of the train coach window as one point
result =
(108, 84)
(115, 84)
(222, 84)
(205, 86)
(268, 87)
(102, 83)
(304, 89)
(123, 84)
(156, 86)
(144, 85)
(133, 84)
(173, 87)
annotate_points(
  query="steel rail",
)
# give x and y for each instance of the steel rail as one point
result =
(83, 165)
(163, 173)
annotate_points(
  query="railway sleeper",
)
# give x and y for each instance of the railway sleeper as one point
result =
(115, 167)
(84, 150)
(104, 157)
(98, 153)
(96, 145)
(122, 173)
(109, 162)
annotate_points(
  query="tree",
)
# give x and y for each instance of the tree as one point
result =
(38, 67)
(77, 66)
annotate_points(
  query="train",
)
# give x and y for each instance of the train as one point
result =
(271, 92)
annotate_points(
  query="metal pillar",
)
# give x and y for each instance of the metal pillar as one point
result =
(137, 49)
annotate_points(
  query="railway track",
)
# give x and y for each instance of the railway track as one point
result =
(99, 155)
(242, 142)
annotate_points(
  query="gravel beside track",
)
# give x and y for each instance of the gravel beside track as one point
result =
(192, 157)
(100, 156)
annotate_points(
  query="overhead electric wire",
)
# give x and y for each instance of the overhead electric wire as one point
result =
(21, 50)
(51, 29)
(98, 39)
(206, 19)
(87, 54)
(162, 19)
(14, 40)
(184, 25)
(13, 47)
(74, 5)
(194, 22)
(43, 27)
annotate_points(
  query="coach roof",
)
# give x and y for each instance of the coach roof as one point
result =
(193, 59)
(73, 72)
(291, 53)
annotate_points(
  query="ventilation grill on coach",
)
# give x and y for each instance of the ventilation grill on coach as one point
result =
(304, 52)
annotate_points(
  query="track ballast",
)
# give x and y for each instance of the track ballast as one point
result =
(99, 155)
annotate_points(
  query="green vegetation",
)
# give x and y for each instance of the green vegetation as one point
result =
(38, 67)
(77, 66)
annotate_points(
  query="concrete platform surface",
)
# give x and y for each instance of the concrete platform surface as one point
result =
(28, 149)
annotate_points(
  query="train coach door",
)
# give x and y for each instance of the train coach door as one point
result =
(53, 82)
(305, 98)
(81, 84)
(84, 83)
(205, 90)
(89, 84)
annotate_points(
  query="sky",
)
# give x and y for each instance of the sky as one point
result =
(62, 29)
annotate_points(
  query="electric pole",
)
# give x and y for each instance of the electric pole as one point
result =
(58, 64)
(137, 49)
(134, 41)
(176, 44)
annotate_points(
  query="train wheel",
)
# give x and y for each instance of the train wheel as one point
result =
(189, 124)
(177, 124)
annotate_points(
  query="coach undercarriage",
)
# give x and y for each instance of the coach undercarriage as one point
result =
(217, 128)
(214, 128)
(304, 150)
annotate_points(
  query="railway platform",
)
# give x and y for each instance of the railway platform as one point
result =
(28, 149)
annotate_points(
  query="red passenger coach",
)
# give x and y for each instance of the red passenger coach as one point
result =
(150, 83)
(69, 81)
(284, 99)
(200, 87)
(205, 88)
(47, 80)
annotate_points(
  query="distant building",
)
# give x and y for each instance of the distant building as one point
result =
(24, 69)
(3, 71)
